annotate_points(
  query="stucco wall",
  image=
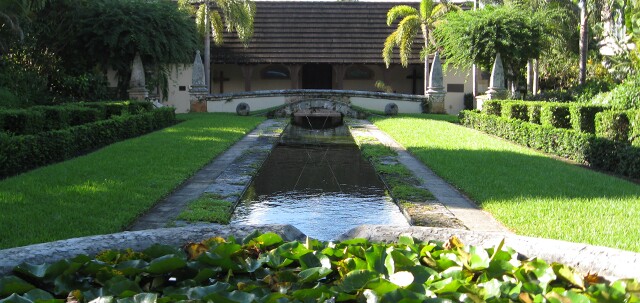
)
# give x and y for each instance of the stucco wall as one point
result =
(405, 107)
(255, 104)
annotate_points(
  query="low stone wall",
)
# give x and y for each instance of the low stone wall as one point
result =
(261, 100)
(608, 262)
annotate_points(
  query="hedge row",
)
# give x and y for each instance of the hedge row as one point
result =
(601, 153)
(45, 118)
(580, 117)
(22, 153)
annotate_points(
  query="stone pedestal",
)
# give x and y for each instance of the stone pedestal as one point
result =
(137, 87)
(199, 88)
(436, 92)
(436, 101)
(497, 89)
(138, 93)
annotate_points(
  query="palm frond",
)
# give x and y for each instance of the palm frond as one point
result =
(201, 20)
(216, 27)
(407, 30)
(387, 50)
(426, 7)
(400, 11)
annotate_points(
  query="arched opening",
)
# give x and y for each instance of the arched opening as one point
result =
(317, 76)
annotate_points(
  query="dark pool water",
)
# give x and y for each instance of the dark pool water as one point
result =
(318, 182)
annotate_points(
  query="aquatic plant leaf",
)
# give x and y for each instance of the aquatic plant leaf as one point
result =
(317, 294)
(194, 250)
(158, 250)
(202, 292)
(266, 240)
(376, 256)
(292, 250)
(405, 240)
(13, 284)
(309, 260)
(15, 298)
(314, 274)
(38, 294)
(145, 298)
(478, 259)
(105, 299)
(406, 296)
(566, 297)
(447, 285)
(567, 274)
(490, 289)
(357, 280)
(165, 264)
(402, 278)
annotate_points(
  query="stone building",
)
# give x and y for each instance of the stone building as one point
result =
(316, 45)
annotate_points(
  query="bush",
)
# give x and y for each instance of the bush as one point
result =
(555, 115)
(8, 100)
(515, 110)
(612, 125)
(21, 121)
(623, 97)
(533, 111)
(583, 117)
(492, 107)
(552, 96)
(21, 153)
(634, 128)
(601, 153)
(592, 87)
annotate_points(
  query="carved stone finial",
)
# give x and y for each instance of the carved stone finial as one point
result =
(137, 73)
(197, 75)
(436, 78)
(497, 89)
(137, 87)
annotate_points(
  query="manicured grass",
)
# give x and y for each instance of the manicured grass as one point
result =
(529, 192)
(106, 190)
(208, 208)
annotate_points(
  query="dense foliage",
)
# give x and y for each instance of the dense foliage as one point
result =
(24, 152)
(622, 97)
(264, 268)
(597, 151)
(476, 36)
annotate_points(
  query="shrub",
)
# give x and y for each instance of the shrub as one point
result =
(601, 153)
(583, 117)
(492, 107)
(21, 153)
(21, 121)
(515, 110)
(612, 125)
(585, 92)
(622, 97)
(533, 111)
(634, 127)
(8, 100)
(555, 115)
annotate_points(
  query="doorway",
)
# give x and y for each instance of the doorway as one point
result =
(317, 76)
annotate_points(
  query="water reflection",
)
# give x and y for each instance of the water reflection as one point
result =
(318, 182)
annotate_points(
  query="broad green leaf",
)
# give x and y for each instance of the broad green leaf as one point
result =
(421, 274)
(567, 297)
(158, 250)
(405, 240)
(15, 298)
(199, 293)
(105, 299)
(317, 294)
(406, 296)
(38, 294)
(490, 289)
(275, 260)
(13, 284)
(119, 285)
(309, 260)
(266, 240)
(251, 265)
(357, 280)
(215, 259)
(447, 260)
(567, 274)
(356, 242)
(314, 274)
(232, 297)
(376, 256)
(402, 278)
(292, 250)
(165, 264)
(145, 298)
(402, 261)
(479, 258)
(34, 271)
(132, 267)
(445, 286)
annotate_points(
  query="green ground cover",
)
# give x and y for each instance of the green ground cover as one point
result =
(529, 192)
(104, 191)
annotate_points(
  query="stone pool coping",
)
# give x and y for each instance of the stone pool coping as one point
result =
(607, 262)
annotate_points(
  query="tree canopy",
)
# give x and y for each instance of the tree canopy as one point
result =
(469, 37)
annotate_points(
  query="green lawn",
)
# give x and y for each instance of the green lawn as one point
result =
(106, 190)
(529, 192)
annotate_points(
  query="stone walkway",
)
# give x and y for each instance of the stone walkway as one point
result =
(209, 177)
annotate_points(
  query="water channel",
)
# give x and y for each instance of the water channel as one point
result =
(317, 181)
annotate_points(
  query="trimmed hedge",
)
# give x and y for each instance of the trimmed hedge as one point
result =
(38, 119)
(22, 153)
(515, 110)
(492, 107)
(583, 117)
(556, 115)
(612, 125)
(634, 125)
(601, 153)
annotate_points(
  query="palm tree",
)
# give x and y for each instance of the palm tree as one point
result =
(12, 13)
(238, 17)
(413, 20)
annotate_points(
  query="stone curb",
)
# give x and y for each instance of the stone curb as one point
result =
(607, 262)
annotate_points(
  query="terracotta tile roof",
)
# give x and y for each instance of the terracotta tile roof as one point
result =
(318, 32)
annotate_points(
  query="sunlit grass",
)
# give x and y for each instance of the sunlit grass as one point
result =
(529, 192)
(103, 192)
(208, 208)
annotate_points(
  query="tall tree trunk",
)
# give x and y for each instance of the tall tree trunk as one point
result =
(425, 35)
(207, 48)
(530, 76)
(535, 77)
(584, 40)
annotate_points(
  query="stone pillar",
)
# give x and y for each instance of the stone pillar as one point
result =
(436, 92)
(198, 89)
(294, 72)
(497, 90)
(247, 73)
(137, 87)
(338, 80)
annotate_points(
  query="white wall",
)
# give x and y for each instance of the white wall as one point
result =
(404, 107)
(255, 104)
(180, 75)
